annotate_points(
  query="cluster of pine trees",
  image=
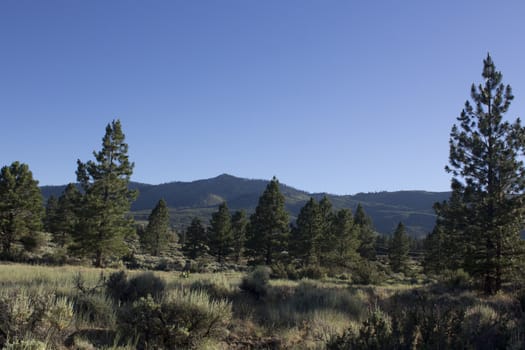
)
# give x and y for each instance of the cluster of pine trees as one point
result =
(321, 237)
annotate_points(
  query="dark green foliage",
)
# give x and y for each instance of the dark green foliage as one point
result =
(51, 214)
(344, 240)
(398, 249)
(366, 272)
(66, 218)
(239, 223)
(33, 242)
(196, 241)
(488, 183)
(307, 235)
(125, 290)
(366, 234)
(103, 220)
(21, 209)
(436, 257)
(220, 233)
(157, 233)
(257, 281)
(269, 226)
(180, 321)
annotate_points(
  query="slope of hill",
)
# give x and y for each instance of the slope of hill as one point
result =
(200, 198)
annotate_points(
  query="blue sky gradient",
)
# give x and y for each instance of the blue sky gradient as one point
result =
(329, 96)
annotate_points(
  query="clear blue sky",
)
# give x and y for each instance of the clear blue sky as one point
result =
(329, 96)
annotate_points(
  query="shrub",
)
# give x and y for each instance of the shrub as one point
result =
(30, 344)
(309, 297)
(95, 308)
(374, 333)
(122, 289)
(257, 281)
(366, 273)
(457, 279)
(180, 320)
(39, 313)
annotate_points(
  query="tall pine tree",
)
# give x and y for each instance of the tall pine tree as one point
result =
(398, 249)
(268, 230)
(345, 240)
(239, 225)
(366, 234)
(21, 209)
(157, 233)
(488, 182)
(305, 243)
(220, 233)
(196, 242)
(66, 219)
(104, 220)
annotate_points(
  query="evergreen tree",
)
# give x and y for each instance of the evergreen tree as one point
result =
(239, 225)
(307, 234)
(269, 226)
(366, 234)
(398, 250)
(489, 181)
(66, 219)
(196, 242)
(435, 259)
(221, 236)
(104, 223)
(157, 233)
(345, 239)
(21, 209)
(326, 239)
(50, 219)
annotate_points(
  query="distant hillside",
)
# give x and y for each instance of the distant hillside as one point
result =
(201, 197)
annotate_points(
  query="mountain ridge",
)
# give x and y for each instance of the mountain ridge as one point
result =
(201, 197)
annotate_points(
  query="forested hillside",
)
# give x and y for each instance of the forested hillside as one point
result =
(200, 198)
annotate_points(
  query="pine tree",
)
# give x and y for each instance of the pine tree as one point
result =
(21, 209)
(398, 250)
(239, 225)
(157, 233)
(104, 222)
(50, 219)
(345, 239)
(269, 226)
(66, 219)
(307, 233)
(196, 242)
(326, 239)
(366, 234)
(488, 179)
(435, 259)
(220, 234)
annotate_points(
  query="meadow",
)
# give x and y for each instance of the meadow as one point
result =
(73, 307)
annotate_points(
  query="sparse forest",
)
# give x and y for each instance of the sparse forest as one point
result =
(79, 272)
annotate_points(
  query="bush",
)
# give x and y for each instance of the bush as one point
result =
(33, 241)
(308, 297)
(39, 313)
(257, 281)
(366, 273)
(30, 344)
(122, 289)
(180, 320)
(374, 333)
(96, 309)
(456, 279)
